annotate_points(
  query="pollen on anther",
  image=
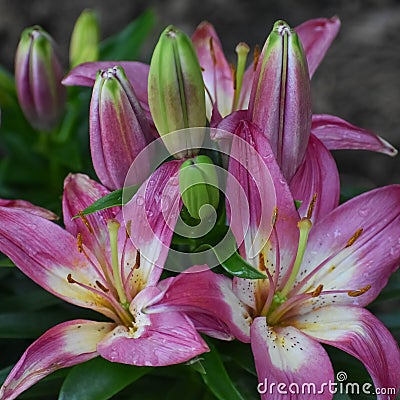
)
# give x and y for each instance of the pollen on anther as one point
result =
(70, 279)
(80, 244)
(354, 237)
(359, 292)
(317, 291)
(102, 287)
(311, 206)
(85, 221)
(137, 261)
(256, 56)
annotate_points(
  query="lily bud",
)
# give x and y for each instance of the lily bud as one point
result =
(38, 75)
(280, 100)
(198, 184)
(176, 87)
(84, 46)
(119, 130)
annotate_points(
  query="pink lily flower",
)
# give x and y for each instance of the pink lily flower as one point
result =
(318, 279)
(93, 264)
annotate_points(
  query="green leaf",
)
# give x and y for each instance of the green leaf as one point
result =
(6, 262)
(216, 377)
(125, 45)
(230, 260)
(239, 267)
(116, 198)
(99, 379)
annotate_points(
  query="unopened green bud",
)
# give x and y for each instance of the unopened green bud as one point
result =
(198, 183)
(176, 87)
(84, 44)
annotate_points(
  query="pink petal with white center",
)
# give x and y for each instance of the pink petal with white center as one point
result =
(29, 207)
(48, 255)
(199, 290)
(64, 345)
(316, 36)
(359, 333)
(153, 212)
(284, 238)
(288, 360)
(356, 259)
(217, 73)
(154, 340)
(318, 175)
(80, 192)
(338, 134)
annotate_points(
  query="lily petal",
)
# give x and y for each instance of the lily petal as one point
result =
(29, 207)
(48, 255)
(317, 175)
(248, 171)
(337, 134)
(199, 290)
(153, 213)
(80, 192)
(316, 36)
(357, 258)
(289, 364)
(64, 345)
(156, 340)
(217, 74)
(357, 332)
(137, 73)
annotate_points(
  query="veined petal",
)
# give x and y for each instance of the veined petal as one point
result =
(279, 247)
(29, 207)
(248, 171)
(155, 340)
(217, 74)
(357, 332)
(49, 255)
(316, 36)
(210, 326)
(337, 134)
(64, 345)
(80, 192)
(318, 175)
(361, 239)
(137, 73)
(153, 213)
(199, 290)
(285, 356)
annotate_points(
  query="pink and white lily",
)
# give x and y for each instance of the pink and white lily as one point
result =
(318, 279)
(93, 264)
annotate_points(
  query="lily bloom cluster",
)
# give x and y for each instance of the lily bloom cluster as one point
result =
(322, 262)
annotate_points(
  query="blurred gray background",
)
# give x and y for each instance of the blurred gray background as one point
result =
(359, 79)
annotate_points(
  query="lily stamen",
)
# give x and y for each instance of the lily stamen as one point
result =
(311, 206)
(113, 227)
(242, 50)
(304, 226)
(359, 292)
(86, 222)
(256, 56)
(356, 235)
